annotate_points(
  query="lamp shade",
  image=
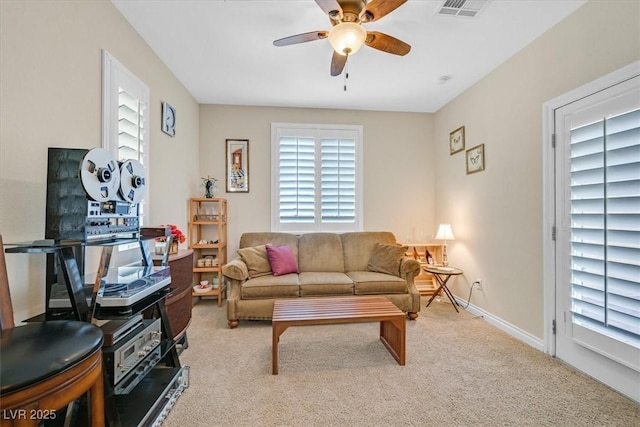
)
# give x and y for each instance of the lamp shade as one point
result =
(445, 232)
(347, 38)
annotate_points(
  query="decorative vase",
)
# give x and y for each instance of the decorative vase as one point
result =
(174, 247)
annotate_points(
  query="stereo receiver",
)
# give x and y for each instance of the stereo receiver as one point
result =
(123, 358)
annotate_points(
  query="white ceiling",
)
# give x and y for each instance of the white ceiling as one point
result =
(222, 50)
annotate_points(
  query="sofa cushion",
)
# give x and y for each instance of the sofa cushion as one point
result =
(325, 283)
(320, 252)
(256, 259)
(270, 286)
(358, 246)
(386, 258)
(281, 259)
(371, 283)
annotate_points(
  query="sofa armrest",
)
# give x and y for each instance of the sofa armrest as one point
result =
(409, 268)
(236, 269)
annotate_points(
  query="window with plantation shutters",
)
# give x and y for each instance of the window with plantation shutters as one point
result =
(125, 102)
(316, 177)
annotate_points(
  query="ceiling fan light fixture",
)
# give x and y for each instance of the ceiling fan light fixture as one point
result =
(347, 38)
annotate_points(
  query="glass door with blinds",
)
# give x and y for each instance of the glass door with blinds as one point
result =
(598, 233)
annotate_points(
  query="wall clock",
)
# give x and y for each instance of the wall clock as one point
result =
(168, 119)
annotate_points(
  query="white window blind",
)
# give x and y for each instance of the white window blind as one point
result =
(605, 226)
(316, 178)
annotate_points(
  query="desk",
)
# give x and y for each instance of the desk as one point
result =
(442, 276)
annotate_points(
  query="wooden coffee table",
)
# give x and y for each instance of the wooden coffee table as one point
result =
(320, 311)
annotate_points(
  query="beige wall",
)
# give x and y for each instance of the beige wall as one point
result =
(50, 96)
(496, 215)
(50, 83)
(399, 175)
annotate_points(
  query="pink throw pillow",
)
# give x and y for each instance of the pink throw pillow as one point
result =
(282, 260)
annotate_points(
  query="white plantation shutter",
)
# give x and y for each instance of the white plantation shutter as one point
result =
(605, 226)
(130, 127)
(297, 180)
(338, 180)
(131, 144)
(316, 178)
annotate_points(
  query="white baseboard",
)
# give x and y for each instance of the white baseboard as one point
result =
(507, 327)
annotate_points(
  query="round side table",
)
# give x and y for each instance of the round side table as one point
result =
(442, 275)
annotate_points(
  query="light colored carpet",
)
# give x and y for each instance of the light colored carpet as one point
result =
(460, 371)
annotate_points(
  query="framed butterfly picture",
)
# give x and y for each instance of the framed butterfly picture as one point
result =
(475, 159)
(456, 140)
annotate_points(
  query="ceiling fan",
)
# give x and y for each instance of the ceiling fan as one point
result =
(348, 35)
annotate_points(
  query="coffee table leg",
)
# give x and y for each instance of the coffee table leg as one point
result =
(393, 336)
(276, 329)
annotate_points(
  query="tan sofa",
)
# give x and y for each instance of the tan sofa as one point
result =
(330, 264)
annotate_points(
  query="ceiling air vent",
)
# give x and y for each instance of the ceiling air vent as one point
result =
(467, 8)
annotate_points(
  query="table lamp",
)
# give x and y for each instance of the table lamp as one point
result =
(444, 233)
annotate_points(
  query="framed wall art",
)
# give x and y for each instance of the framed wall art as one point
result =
(456, 140)
(168, 119)
(475, 159)
(237, 169)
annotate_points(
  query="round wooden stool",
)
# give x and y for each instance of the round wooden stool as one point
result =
(45, 366)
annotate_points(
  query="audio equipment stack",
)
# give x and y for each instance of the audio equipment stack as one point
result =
(94, 200)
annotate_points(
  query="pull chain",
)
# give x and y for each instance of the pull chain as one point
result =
(346, 73)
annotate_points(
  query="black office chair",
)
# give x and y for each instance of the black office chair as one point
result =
(47, 365)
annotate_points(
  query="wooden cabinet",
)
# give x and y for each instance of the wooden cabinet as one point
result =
(208, 239)
(178, 305)
(425, 282)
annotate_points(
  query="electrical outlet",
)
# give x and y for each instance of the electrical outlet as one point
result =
(478, 283)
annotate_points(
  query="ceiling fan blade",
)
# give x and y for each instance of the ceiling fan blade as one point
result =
(301, 38)
(337, 63)
(331, 8)
(376, 9)
(386, 43)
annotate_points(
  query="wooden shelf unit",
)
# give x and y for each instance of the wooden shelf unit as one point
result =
(208, 222)
(425, 282)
